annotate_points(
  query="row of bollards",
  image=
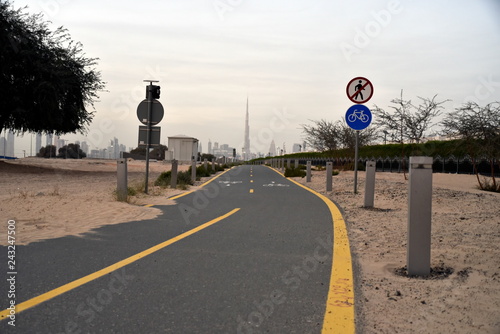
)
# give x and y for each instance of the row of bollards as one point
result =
(419, 209)
(122, 186)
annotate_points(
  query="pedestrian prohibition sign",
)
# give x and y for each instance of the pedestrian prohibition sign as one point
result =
(359, 90)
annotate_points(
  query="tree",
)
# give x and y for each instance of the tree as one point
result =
(207, 156)
(322, 136)
(347, 136)
(139, 151)
(48, 151)
(408, 122)
(71, 151)
(157, 153)
(46, 81)
(479, 130)
(329, 136)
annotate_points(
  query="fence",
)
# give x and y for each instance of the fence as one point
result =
(451, 164)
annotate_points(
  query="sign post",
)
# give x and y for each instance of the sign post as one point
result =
(358, 117)
(149, 112)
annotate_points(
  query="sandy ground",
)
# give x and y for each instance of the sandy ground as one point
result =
(54, 198)
(50, 198)
(465, 240)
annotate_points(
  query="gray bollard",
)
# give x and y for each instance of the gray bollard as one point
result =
(205, 162)
(308, 172)
(419, 216)
(296, 163)
(121, 177)
(288, 163)
(193, 170)
(213, 165)
(370, 184)
(329, 170)
(282, 165)
(173, 176)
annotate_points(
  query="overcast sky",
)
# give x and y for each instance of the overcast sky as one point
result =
(293, 59)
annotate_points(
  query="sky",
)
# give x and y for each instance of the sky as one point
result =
(292, 59)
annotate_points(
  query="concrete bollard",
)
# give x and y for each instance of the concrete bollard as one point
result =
(205, 163)
(173, 176)
(370, 184)
(213, 165)
(329, 170)
(282, 165)
(121, 177)
(308, 172)
(419, 216)
(296, 163)
(288, 163)
(193, 170)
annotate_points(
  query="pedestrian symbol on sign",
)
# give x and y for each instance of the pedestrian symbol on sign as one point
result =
(359, 88)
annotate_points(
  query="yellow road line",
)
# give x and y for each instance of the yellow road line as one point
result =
(81, 281)
(251, 181)
(251, 191)
(204, 184)
(339, 314)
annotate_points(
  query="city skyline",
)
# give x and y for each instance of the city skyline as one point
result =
(292, 58)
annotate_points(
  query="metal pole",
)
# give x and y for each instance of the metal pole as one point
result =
(356, 163)
(148, 136)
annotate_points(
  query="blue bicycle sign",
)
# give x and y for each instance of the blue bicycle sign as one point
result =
(358, 117)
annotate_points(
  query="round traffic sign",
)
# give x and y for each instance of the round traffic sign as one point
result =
(359, 90)
(156, 112)
(358, 117)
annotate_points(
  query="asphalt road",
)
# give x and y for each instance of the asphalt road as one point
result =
(264, 268)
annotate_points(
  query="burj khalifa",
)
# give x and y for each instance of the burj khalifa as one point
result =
(246, 149)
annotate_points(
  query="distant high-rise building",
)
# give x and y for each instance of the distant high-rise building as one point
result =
(38, 142)
(209, 146)
(3, 146)
(246, 148)
(85, 147)
(296, 148)
(48, 139)
(10, 144)
(272, 149)
(116, 149)
(216, 146)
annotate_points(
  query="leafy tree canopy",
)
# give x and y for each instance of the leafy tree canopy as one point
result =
(71, 151)
(46, 81)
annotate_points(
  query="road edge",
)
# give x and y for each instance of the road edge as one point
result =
(339, 314)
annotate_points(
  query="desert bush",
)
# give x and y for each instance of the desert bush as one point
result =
(488, 184)
(293, 172)
(183, 179)
(163, 179)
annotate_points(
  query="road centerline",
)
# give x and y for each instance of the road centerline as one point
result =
(88, 278)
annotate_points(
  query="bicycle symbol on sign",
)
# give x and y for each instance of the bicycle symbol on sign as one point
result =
(358, 115)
